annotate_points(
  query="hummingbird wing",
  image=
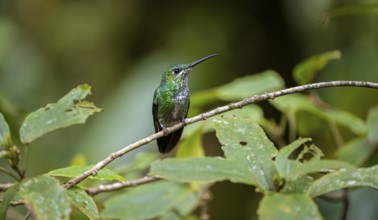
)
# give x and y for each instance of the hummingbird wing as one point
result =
(166, 143)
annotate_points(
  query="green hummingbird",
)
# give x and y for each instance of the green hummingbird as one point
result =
(171, 103)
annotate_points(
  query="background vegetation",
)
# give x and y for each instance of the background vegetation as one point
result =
(121, 48)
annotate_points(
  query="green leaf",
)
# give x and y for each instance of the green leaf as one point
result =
(246, 145)
(45, 197)
(80, 199)
(69, 110)
(74, 171)
(250, 85)
(284, 165)
(156, 198)
(202, 169)
(288, 206)
(191, 146)
(7, 198)
(305, 71)
(356, 151)
(5, 136)
(298, 102)
(353, 9)
(372, 123)
(345, 178)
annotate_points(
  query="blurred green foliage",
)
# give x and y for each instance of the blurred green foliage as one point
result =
(121, 48)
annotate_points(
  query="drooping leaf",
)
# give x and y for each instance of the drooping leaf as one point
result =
(45, 197)
(305, 71)
(356, 151)
(80, 199)
(245, 144)
(250, 85)
(74, 171)
(345, 178)
(5, 136)
(192, 146)
(288, 206)
(69, 110)
(298, 102)
(204, 170)
(147, 201)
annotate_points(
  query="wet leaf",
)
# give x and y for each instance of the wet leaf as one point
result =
(74, 171)
(80, 199)
(288, 206)
(45, 197)
(345, 178)
(69, 110)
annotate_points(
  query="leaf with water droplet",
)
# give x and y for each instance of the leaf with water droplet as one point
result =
(80, 199)
(288, 206)
(345, 178)
(69, 110)
(45, 197)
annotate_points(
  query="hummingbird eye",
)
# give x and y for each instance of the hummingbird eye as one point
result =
(176, 71)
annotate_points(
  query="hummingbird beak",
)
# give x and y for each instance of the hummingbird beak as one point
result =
(201, 60)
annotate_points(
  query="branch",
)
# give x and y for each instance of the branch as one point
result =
(120, 185)
(247, 101)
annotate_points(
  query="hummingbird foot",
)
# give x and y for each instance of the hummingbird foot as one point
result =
(183, 122)
(165, 130)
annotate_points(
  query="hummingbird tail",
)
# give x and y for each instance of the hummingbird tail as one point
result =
(167, 143)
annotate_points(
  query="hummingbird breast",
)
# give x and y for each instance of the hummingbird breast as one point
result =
(175, 108)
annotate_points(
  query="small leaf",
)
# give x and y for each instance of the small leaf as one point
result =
(288, 206)
(372, 123)
(192, 146)
(45, 197)
(80, 199)
(5, 136)
(250, 85)
(156, 198)
(202, 169)
(69, 110)
(74, 171)
(305, 71)
(245, 144)
(345, 178)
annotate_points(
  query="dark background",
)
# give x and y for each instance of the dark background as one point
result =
(121, 48)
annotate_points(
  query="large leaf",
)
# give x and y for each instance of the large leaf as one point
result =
(69, 110)
(345, 178)
(5, 137)
(288, 206)
(245, 144)
(250, 85)
(151, 201)
(45, 197)
(74, 171)
(80, 199)
(305, 71)
(204, 169)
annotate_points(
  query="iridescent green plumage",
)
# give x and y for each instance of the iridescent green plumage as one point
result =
(171, 102)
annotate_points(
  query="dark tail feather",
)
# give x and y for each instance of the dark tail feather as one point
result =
(167, 143)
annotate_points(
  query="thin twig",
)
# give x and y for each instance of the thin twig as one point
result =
(121, 185)
(5, 186)
(247, 101)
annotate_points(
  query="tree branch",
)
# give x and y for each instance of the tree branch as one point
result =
(120, 185)
(247, 101)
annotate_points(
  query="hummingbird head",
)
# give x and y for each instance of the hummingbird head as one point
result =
(179, 72)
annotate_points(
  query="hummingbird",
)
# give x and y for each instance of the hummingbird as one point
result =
(171, 103)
